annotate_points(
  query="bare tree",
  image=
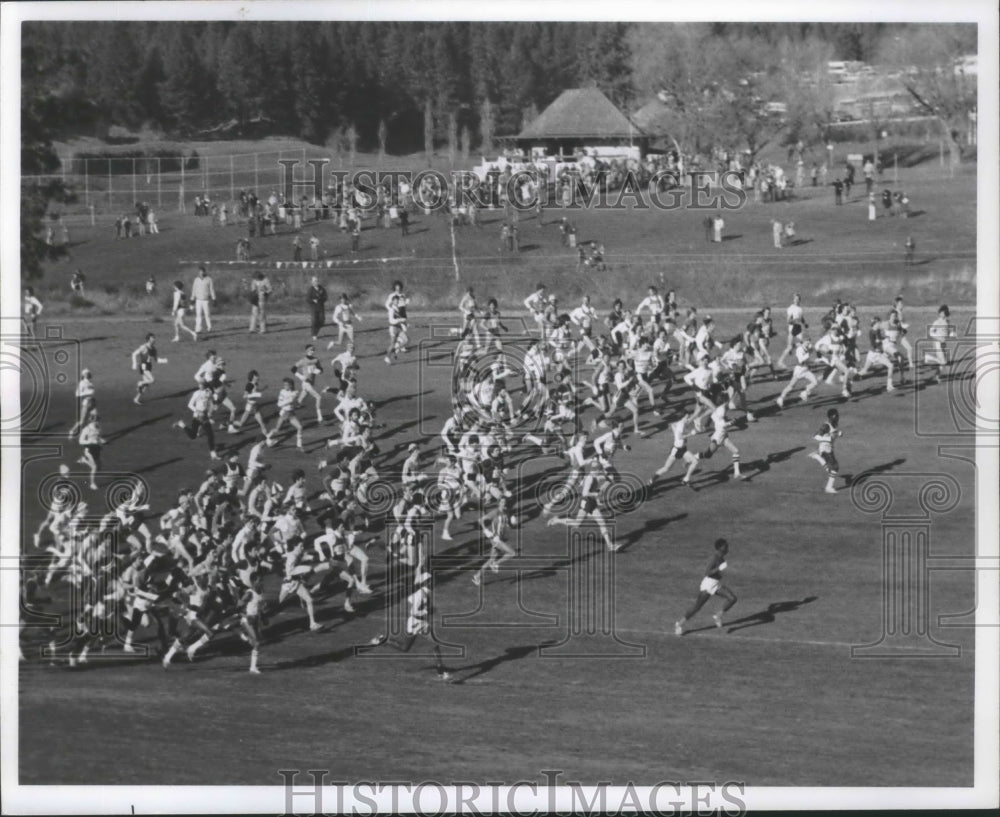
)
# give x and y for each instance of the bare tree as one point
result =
(806, 88)
(383, 138)
(486, 125)
(452, 137)
(429, 131)
(676, 61)
(465, 140)
(351, 138)
(927, 58)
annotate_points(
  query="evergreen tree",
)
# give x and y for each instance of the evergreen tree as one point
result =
(183, 92)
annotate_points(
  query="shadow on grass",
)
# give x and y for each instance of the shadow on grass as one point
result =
(483, 667)
(768, 616)
(850, 479)
(128, 430)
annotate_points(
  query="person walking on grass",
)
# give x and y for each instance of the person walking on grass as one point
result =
(203, 294)
(711, 585)
(179, 310)
(260, 291)
(795, 318)
(32, 309)
(316, 298)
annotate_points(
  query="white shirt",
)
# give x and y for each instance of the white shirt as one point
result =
(200, 402)
(202, 289)
(653, 302)
(583, 315)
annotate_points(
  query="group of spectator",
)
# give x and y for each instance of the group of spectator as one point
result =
(144, 220)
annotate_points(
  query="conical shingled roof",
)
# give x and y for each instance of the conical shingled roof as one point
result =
(578, 113)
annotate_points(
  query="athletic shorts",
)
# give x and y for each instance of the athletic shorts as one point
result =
(710, 586)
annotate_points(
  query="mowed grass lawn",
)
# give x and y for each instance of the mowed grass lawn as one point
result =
(838, 254)
(773, 698)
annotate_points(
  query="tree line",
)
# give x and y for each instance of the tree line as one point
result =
(395, 86)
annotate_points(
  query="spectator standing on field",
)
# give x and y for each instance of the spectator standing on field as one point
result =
(872, 211)
(32, 309)
(838, 191)
(316, 297)
(776, 232)
(313, 247)
(718, 225)
(887, 201)
(297, 248)
(790, 233)
(708, 225)
(911, 248)
(260, 291)
(203, 295)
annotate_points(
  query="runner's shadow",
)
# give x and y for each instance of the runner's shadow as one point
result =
(509, 654)
(760, 466)
(768, 616)
(850, 479)
(122, 432)
(318, 660)
(161, 464)
(651, 526)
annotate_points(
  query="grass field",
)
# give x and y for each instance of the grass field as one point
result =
(839, 254)
(773, 698)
